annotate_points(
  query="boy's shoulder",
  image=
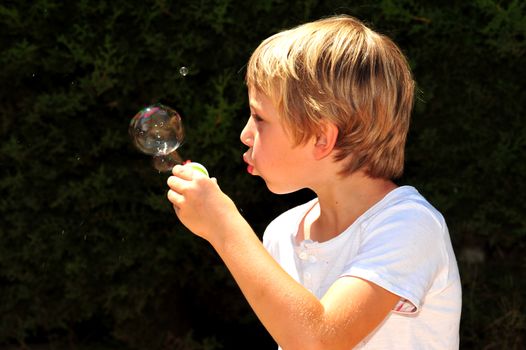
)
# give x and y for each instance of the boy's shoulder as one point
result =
(404, 206)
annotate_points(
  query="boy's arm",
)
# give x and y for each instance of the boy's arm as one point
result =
(295, 318)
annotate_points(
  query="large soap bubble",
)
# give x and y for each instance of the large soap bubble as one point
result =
(158, 130)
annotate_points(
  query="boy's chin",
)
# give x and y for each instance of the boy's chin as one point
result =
(277, 189)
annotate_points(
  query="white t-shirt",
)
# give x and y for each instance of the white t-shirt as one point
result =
(401, 244)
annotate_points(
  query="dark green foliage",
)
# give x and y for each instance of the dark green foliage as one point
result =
(90, 249)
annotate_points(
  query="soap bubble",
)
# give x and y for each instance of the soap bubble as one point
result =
(167, 162)
(157, 130)
(183, 71)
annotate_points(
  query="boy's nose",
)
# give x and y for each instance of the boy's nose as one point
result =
(247, 134)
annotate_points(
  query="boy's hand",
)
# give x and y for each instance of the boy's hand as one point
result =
(199, 202)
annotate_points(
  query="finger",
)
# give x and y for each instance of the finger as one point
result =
(176, 183)
(176, 209)
(175, 198)
(184, 172)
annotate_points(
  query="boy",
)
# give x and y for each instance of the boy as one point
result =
(366, 264)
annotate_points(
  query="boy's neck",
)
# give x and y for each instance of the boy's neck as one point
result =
(340, 203)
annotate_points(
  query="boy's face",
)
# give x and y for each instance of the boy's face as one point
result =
(272, 153)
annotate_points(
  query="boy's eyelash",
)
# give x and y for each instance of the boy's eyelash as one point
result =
(256, 117)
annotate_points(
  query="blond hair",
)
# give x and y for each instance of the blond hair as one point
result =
(339, 70)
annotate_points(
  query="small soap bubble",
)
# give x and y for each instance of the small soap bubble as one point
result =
(157, 130)
(167, 162)
(183, 71)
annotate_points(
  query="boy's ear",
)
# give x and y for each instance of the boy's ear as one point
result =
(325, 140)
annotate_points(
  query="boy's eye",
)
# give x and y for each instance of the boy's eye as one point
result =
(256, 118)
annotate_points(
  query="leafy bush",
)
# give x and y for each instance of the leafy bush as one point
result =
(91, 250)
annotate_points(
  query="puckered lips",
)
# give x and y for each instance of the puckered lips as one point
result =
(250, 167)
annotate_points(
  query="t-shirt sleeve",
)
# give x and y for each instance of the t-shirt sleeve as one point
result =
(402, 251)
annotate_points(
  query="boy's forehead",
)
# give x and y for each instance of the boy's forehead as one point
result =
(261, 102)
(255, 98)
